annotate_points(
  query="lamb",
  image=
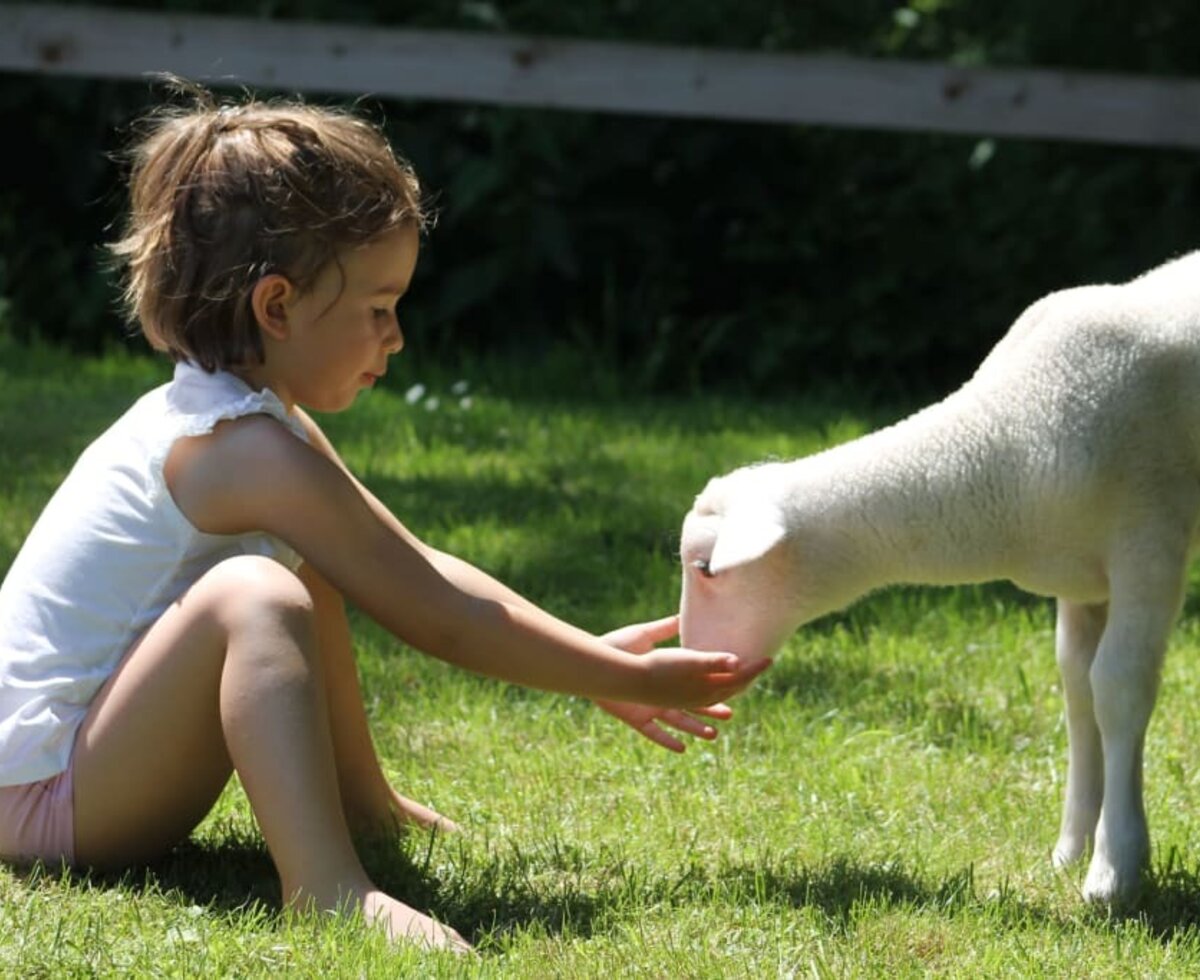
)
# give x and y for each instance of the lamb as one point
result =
(1068, 464)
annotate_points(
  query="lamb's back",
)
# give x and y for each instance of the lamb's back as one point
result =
(1093, 400)
(1083, 421)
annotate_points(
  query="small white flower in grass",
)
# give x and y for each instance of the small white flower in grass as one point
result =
(415, 393)
(459, 388)
(432, 403)
(465, 403)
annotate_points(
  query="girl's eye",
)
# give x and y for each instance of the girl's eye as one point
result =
(380, 312)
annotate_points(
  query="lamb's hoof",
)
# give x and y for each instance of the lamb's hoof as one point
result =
(1105, 885)
(1068, 850)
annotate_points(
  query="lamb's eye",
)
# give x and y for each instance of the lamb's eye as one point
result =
(701, 565)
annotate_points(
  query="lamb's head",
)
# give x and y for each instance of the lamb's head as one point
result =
(739, 593)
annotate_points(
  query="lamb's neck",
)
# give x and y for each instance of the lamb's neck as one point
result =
(927, 500)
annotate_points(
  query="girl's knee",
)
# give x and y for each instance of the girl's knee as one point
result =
(251, 588)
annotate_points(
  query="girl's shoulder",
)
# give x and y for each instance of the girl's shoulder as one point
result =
(246, 468)
(225, 478)
(232, 447)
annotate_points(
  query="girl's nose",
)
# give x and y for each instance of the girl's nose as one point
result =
(395, 342)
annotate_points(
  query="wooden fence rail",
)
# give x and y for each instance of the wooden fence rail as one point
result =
(602, 76)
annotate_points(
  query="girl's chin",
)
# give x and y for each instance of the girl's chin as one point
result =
(333, 404)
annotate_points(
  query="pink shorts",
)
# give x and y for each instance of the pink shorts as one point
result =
(37, 821)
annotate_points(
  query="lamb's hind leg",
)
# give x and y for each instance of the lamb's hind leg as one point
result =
(1077, 635)
(1146, 592)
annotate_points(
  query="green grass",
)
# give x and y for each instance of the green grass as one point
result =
(883, 803)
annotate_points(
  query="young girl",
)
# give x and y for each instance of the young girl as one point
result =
(177, 611)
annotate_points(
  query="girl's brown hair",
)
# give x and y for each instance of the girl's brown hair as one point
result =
(221, 195)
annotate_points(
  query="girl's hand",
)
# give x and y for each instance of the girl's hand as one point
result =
(679, 678)
(649, 720)
(642, 637)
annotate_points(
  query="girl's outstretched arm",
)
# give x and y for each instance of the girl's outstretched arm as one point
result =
(463, 574)
(252, 474)
(650, 721)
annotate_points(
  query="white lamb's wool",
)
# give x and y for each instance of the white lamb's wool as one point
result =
(1069, 464)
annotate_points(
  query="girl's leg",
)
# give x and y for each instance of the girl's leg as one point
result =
(229, 677)
(370, 803)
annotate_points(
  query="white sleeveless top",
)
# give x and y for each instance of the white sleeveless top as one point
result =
(109, 554)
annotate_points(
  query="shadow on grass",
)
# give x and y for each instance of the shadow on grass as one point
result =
(842, 890)
(236, 875)
(231, 876)
(556, 889)
(845, 887)
(1168, 905)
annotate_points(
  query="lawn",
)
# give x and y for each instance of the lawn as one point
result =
(883, 803)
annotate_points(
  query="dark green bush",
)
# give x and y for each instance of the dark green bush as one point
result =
(688, 252)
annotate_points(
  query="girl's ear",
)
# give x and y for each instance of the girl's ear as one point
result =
(269, 300)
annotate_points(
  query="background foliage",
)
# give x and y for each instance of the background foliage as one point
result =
(687, 253)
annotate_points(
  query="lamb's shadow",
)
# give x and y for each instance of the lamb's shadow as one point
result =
(1168, 906)
(840, 889)
(549, 892)
(843, 883)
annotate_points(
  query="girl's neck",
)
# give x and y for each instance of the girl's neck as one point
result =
(258, 378)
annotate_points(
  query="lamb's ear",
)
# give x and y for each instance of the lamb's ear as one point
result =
(744, 536)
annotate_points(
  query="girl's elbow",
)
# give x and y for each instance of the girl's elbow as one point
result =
(456, 632)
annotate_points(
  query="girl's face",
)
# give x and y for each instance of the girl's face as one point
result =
(340, 333)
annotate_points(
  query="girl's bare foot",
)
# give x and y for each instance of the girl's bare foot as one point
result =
(390, 813)
(400, 922)
(410, 811)
(405, 924)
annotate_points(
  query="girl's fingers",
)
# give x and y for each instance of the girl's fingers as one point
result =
(660, 736)
(659, 630)
(722, 663)
(684, 722)
(746, 672)
(727, 685)
(641, 637)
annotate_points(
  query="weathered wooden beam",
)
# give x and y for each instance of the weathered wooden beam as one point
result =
(602, 76)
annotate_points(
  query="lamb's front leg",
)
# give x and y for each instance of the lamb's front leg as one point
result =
(1146, 595)
(1077, 636)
